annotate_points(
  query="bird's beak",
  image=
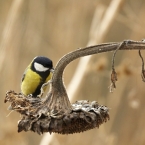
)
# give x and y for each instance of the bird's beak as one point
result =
(52, 70)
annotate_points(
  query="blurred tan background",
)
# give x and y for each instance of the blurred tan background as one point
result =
(53, 28)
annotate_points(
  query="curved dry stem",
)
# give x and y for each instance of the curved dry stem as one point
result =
(57, 81)
(90, 50)
(57, 94)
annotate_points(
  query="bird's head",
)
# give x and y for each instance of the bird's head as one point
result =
(41, 64)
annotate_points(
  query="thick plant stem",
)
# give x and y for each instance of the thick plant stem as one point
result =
(58, 95)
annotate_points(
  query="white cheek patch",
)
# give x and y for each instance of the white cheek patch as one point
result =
(40, 67)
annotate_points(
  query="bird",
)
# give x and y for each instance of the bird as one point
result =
(38, 73)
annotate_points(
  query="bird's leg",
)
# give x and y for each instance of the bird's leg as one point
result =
(42, 90)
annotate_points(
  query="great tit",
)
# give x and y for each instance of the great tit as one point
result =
(36, 74)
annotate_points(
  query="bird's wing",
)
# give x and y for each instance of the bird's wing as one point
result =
(23, 77)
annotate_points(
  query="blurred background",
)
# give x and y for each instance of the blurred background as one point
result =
(53, 28)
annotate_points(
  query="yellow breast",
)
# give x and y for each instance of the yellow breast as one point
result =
(30, 82)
